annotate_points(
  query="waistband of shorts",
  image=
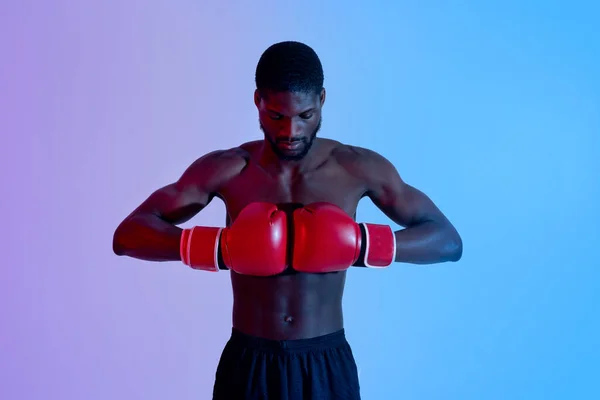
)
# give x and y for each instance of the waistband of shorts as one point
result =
(331, 340)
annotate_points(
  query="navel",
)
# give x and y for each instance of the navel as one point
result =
(288, 319)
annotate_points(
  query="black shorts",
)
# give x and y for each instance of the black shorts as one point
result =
(321, 368)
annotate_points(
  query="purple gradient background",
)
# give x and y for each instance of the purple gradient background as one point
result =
(491, 110)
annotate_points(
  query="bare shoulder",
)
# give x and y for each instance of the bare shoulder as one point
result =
(251, 147)
(363, 163)
(215, 168)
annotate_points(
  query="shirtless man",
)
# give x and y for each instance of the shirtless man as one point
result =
(290, 236)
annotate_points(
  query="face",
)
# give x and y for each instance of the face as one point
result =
(290, 121)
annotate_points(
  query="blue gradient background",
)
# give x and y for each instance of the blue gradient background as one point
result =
(491, 109)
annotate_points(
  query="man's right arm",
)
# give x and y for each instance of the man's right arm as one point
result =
(150, 232)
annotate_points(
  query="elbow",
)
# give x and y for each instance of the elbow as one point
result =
(118, 246)
(449, 244)
(455, 248)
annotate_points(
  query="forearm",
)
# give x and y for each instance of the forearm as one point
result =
(428, 243)
(147, 237)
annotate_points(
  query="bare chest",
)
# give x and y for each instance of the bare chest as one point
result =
(330, 184)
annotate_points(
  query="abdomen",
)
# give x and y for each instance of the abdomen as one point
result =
(288, 306)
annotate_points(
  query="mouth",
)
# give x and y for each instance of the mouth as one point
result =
(290, 145)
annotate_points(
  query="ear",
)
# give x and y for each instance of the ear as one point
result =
(322, 96)
(257, 98)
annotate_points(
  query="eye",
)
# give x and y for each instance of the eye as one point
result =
(275, 117)
(306, 116)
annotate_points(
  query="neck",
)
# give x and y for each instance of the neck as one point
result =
(269, 161)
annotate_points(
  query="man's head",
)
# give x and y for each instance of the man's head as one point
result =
(289, 96)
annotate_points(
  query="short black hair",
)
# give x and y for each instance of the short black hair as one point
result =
(289, 67)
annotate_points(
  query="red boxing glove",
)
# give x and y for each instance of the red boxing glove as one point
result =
(254, 244)
(326, 239)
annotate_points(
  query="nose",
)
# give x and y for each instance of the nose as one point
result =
(290, 130)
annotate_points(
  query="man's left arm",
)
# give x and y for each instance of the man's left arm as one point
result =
(428, 236)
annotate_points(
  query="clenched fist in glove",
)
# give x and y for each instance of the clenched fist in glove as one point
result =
(326, 239)
(254, 244)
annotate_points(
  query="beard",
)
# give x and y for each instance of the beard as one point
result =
(307, 143)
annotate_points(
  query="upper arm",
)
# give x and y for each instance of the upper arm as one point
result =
(399, 201)
(179, 201)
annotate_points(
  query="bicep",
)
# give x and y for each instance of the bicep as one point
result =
(399, 201)
(180, 201)
(176, 203)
